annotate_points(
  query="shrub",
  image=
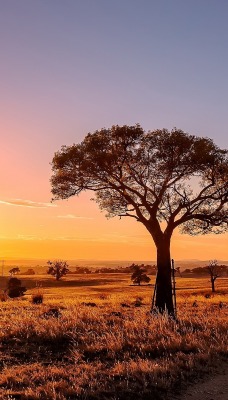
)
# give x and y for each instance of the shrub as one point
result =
(37, 298)
(30, 271)
(37, 294)
(138, 301)
(15, 289)
(103, 296)
(17, 292)
(53, 312)
(3, 296)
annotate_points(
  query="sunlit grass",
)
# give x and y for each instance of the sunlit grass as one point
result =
(92, 342)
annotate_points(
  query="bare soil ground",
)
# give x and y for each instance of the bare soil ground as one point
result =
(212, 387)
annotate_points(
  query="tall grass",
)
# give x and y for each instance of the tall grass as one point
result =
(67, 349)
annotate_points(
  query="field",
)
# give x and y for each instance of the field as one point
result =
(93, 337)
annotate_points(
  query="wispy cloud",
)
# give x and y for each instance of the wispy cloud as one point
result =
(72, 216)
(27, 237)
(22, 237)
(104, 238)
(26, 203)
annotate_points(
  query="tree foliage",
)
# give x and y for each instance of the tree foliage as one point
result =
(147, 176)
(139, 274)
(57, 268)
(14, 271)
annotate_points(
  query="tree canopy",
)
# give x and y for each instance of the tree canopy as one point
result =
(156, 176)
(14, 271)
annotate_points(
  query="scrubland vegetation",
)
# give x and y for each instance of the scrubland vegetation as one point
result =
(94, 338)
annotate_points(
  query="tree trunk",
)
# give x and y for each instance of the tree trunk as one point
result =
(213, 285)
(164, 298)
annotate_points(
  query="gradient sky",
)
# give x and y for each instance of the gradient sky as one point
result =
(70, 67)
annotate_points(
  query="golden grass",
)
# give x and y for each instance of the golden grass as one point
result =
(88, 340)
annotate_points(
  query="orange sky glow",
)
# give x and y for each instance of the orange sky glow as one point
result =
(76, 229)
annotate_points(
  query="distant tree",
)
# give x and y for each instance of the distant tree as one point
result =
(214, 271)
(82, 270)
(223, 270)
(187, 271)
(139, 274)
(14, 271)
(14, 288)
(165, 180)
(200, 270)
(177, 271)
(58, 268)
(30, 271)
(152, 269)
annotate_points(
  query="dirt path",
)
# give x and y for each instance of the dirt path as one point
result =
(215, 387)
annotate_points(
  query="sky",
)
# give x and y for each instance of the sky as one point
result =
(74, 66)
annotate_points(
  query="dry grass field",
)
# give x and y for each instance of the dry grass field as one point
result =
(94, 338)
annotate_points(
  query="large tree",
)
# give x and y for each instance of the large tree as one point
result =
(165, 180)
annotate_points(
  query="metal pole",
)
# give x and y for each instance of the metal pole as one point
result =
(174, 287)
(155, 289)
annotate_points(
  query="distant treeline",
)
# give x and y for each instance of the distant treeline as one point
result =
(222, 270)
(151, 269)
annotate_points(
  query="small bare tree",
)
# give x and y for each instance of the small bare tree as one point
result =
(214, 271)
